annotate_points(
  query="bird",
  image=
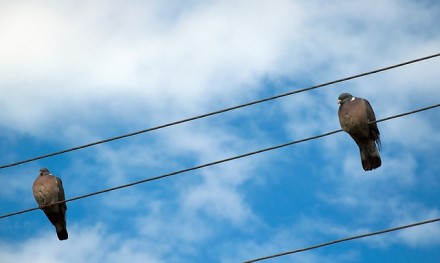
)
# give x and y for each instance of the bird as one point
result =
(355, 115)
(48, 189)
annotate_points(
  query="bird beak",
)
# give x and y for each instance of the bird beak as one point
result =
(339, 101)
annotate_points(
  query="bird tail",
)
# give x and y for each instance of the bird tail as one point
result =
(59, 221)
(61, 231)
(369, 155)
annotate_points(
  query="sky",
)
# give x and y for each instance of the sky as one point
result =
(74, 72)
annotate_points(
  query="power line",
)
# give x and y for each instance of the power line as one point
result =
(219, 161)
(218, 111)
(344, 240)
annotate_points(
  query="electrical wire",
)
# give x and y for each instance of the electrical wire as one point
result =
(219, 161)
(344, 240)
(218, 111)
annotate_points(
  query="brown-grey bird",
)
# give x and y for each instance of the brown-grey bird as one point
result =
(354, 116)
(48, 189)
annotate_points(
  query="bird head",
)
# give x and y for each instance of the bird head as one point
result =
(344, 97)
(44, 171)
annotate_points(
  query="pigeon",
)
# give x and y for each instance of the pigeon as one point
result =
(48, 189)
(354, 116)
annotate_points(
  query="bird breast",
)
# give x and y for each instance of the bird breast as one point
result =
(45, 195)
(354, 120)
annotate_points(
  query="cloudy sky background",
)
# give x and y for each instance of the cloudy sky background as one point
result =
(73, 72)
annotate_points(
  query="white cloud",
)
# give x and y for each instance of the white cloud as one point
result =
(218, 199)
(201, 57)
(85, 244)
(303, 233)
(422, 236)
(170, 225)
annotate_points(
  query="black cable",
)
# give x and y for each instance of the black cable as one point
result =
(218, 162)
(344, 240)
(218, 112)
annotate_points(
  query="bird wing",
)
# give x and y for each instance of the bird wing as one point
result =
(374, 130)
(61, 196)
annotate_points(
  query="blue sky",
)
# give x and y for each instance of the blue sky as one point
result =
(74, 72)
